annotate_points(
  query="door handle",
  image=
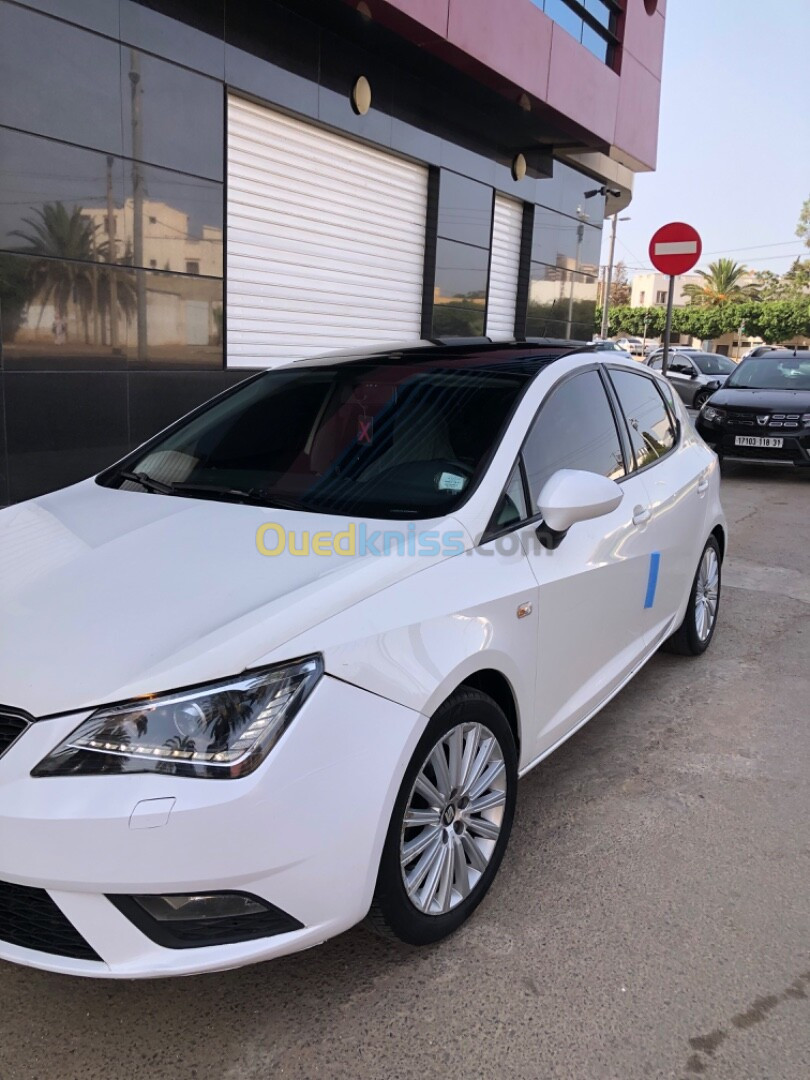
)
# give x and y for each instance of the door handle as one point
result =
(703, 485)
(641, 514)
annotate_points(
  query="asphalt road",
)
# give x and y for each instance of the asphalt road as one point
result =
(651, 918)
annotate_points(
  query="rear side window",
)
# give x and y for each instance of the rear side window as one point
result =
(575, 429)
(651, 430)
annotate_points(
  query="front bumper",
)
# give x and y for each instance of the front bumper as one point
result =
(304, 832)
(795, 449)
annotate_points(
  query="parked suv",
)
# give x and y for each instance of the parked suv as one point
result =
(695, 375)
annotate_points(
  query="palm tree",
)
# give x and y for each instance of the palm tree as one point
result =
(721, 284)
(66, 242)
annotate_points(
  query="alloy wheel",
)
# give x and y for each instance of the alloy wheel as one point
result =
(453, 818)
(706, 593)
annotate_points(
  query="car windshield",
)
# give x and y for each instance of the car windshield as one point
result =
(713, 364)
(768, 373)
(373, 439)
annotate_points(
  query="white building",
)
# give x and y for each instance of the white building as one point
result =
(650, 290)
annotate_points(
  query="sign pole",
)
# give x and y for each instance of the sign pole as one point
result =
(668, 327)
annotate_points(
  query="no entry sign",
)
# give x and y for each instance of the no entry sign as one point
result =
(675, 248)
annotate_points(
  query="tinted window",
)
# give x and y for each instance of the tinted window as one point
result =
(465, 209)
(767, 373)
(647, 418)
(460, 289)
(711, 364)
(378, 440)
(575, 429)
(58, 80)
(680, 365)
(512, 507)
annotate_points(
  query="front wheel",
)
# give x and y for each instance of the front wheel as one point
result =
(700, 399)
(450, 824)
(696, 631)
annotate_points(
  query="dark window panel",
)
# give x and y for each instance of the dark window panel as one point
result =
(278, 65)
(560, 302)
(451, 321)
(99, 15)
(4, 496)
(181, 115)
(565, 191)
(465, 209)
(45, 186)
(158, 398)
(461, 274)
(575, 429)
(63, 201)
(182, 220)
(63, 427)
(59, 315)
(566, 242)
(651, 431)
(58, 80)
(188, 31)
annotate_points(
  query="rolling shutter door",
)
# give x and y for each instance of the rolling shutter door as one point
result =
(326, 240)
(507, 224)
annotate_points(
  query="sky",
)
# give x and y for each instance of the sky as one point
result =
(734, 138)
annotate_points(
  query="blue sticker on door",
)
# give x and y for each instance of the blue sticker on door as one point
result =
(652, 579)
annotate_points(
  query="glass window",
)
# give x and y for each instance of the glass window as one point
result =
(768, 373)
(561, 304)
(711, 364)
(396, 440)
(180, 120)
(465, 209)
(575, 429)
(84, 315)
(680, 366)
(601, 11)
(562, 14)
(595, 43)
(66, 202)
(58, 80)
(569, 243)
(658, 363)
(566, 191)
(460, 289)
(649, 422)
(512, 507)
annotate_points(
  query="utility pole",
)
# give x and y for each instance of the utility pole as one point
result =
(580, 235)
(137, 200)
(603, 333)
(111, 256)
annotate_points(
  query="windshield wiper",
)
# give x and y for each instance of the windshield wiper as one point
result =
(252, 496)
(147, 482)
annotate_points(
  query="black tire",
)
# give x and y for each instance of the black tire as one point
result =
(392, 913)
(686, 641)
(701, 398)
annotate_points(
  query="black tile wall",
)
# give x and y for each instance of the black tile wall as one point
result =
(72, 398)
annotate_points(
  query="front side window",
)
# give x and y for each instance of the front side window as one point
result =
(366, 438)
(712, 364)
(575, 429)
(648, 420)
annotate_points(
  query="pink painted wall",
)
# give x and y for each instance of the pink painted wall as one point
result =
(514, 46)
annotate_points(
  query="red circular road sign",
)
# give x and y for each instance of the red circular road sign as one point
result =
(675, 248)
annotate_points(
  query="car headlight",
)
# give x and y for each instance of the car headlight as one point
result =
(712, 415)
(223, 730)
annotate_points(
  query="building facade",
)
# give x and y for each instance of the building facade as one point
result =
(651, 289)
(191, 189)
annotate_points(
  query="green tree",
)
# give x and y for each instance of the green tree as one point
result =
(803, 226)
(721, 284)
(620, 286)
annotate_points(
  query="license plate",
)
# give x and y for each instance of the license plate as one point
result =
(752, 440)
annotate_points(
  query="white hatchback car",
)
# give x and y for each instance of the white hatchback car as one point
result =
(280, 668)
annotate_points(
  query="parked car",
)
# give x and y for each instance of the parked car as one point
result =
(606, 345)
(695, 375)
(762, 412)
(280, 668)
(632, 345)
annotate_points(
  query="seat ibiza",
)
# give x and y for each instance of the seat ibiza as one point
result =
(279, 670)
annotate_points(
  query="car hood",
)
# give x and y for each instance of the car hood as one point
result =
(108, 594)
(762, 400)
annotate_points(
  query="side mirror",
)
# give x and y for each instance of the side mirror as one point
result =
(572, 495)
(694, 374)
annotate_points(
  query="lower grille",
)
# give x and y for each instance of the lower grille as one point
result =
(12, 724)
(31, 920)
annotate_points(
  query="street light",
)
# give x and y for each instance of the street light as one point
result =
(609, 276)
